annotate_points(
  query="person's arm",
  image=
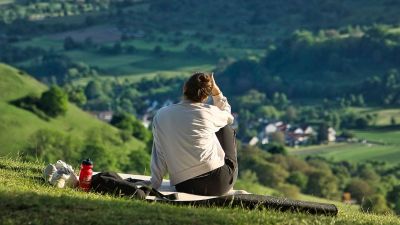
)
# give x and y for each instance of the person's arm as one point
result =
(221, 102)
(158, 168)
(158, 165)
(224, 117)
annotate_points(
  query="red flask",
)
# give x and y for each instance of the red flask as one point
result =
(85, 175)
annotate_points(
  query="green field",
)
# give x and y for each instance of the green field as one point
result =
(27, 199)
(353, 152)
(384, 116)
(18, 125)
(386, 136)
(3, 2)
(143, 61)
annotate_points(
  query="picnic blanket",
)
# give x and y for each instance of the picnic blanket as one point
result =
(238, 198)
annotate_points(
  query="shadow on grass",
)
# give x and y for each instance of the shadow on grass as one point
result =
(34, 208)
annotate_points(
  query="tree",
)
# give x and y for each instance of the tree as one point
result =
(51, 145)
(158, 51)
(280, 100)
(299, 179)
(54, 102)
(361, 123)
(323, 132)
(69, 43)
(392, 121)
(93, 90)
(129, 123)
(278, 137)
(291, 114)
(393, 197)
(277, 148)
(251, 100)
(323, 184)
(375, 204)
(248, 176)
(77, 96)
(289, 191)
(268, 112)
(359, 189)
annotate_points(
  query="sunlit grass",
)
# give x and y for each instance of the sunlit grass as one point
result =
(25, 198)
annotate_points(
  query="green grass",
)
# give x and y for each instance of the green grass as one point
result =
(17, 125)
(26, 199)
(386, 136)
(353, 152)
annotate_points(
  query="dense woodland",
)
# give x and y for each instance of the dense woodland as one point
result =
(310, 62)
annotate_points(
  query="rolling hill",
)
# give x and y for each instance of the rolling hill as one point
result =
(18, 125)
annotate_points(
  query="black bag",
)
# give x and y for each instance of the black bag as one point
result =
(112, 183)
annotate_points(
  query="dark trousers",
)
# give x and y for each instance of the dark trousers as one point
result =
(221, 180)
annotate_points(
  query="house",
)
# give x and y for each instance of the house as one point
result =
(103, 115)
(298, 130)
(270, 128)
(146, 120)
(253, 141)
(308, 130)
(331, 134)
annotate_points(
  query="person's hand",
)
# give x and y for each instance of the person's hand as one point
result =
(215, 91)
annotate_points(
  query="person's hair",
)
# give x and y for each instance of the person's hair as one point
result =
(198, 87)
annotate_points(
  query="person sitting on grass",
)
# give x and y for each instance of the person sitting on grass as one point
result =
(194, 142)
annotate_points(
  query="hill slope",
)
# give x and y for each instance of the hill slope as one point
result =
(18, 125)
(25, 198)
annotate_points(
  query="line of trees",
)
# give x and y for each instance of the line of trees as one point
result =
(374, 185)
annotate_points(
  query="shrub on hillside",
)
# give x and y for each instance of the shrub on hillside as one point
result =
(276, 148)
(323, 184)
(248, 176)
(54, 102)
(30, 103)
(393, 197)
(299, 179)
(375, 204)
(359, 189)
(129, 123)
(289, 191)
(50, 146)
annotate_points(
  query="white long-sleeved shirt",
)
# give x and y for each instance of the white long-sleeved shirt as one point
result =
(185, 144)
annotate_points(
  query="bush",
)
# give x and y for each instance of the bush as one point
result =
(323, 184)
(50, 145)
(129, 123)
(248, 176)
(375, 204)
(31, 102)
(276, 149)
(298, 179)
(54, 102)
(289, 191)
(361, 123)
(359, 189)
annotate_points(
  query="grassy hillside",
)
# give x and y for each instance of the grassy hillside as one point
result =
(26, 199)
(18, 125)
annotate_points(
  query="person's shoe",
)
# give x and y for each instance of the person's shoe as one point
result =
(72, 181)
(64, 167)
(48, 172)
(59, 179)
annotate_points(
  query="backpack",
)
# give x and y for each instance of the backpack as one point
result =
(112, 183)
